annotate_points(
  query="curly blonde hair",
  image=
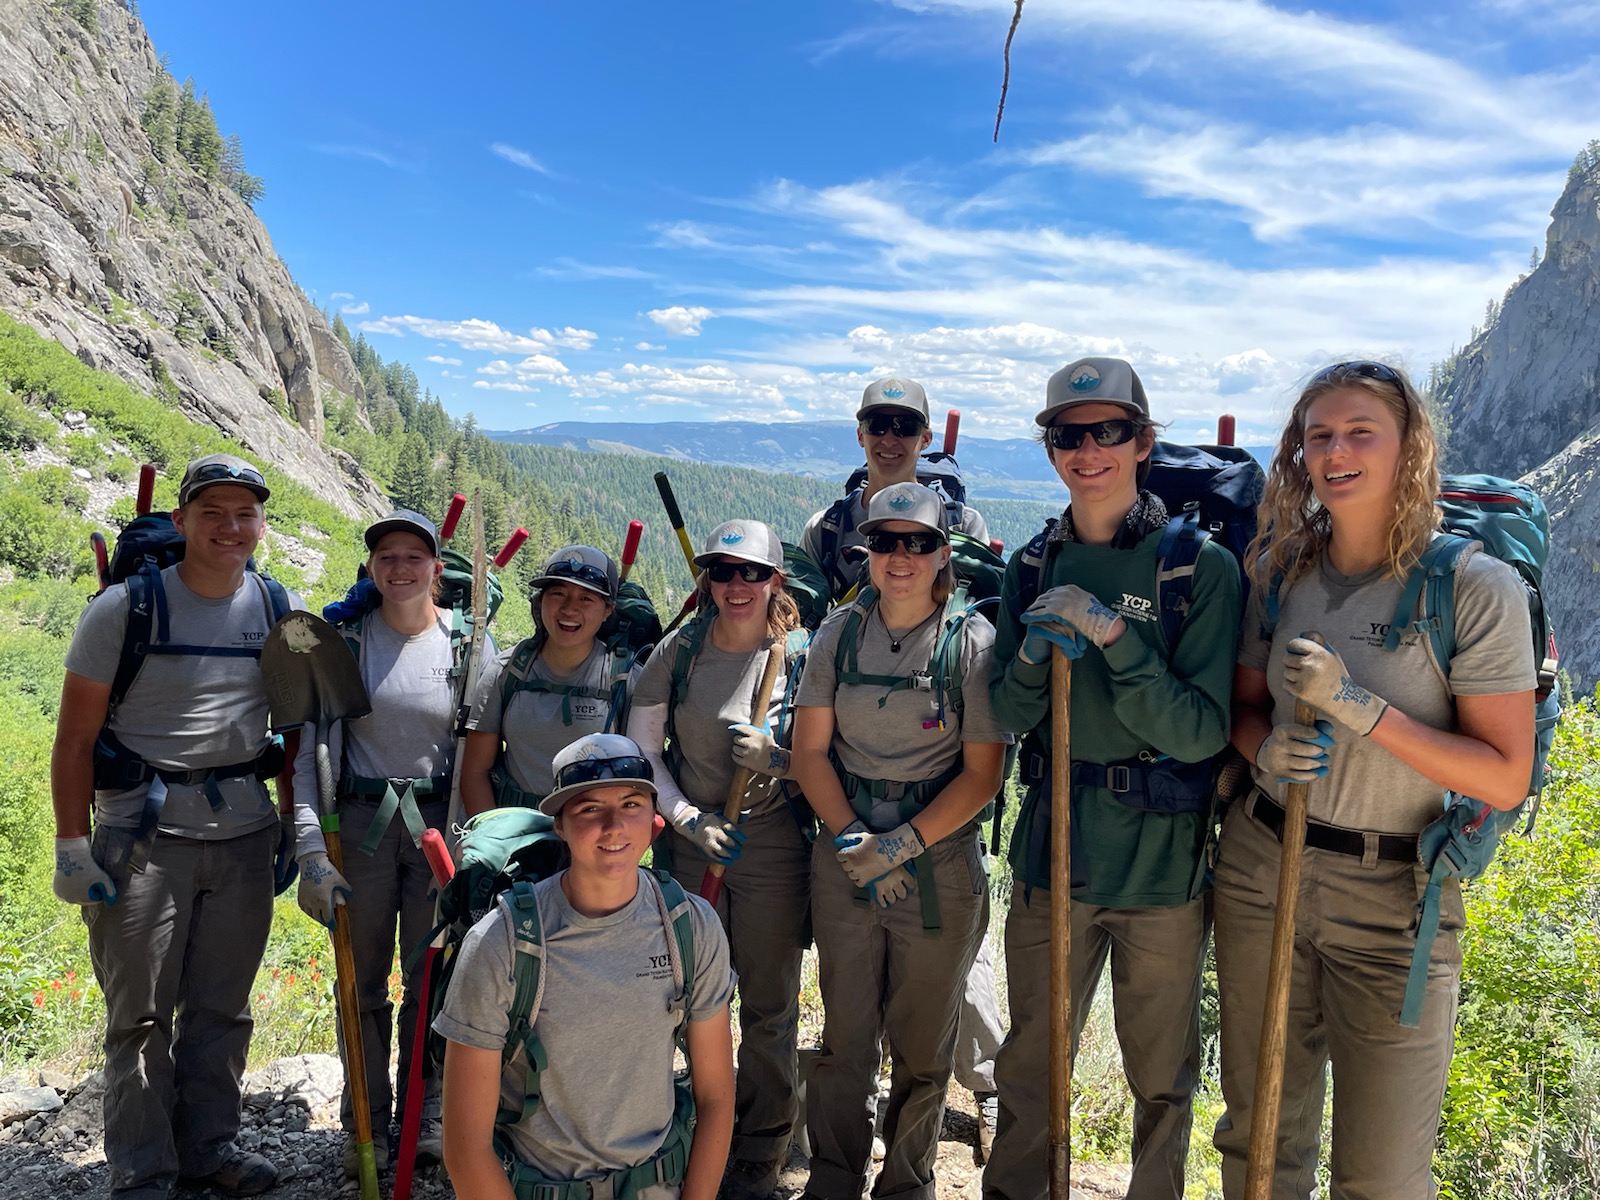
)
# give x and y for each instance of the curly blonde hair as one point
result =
(1293, 529)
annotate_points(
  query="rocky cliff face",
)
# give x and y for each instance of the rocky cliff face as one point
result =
(144, 266)
(1524, 400)
(1530, 384)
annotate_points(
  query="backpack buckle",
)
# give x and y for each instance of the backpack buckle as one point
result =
(1119, 778)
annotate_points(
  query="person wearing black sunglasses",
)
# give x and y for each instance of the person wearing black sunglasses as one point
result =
(1350, 507)
(564, 681)
(897, 750)
(692, 715)
(176, 877)
(618, 996)
(892, 428)
(1142, 712)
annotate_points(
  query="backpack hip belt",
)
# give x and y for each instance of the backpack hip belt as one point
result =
(912, 799)
(116, 768)
(666, 1166)
(1152, 784)
(395, 794)
(506, 792)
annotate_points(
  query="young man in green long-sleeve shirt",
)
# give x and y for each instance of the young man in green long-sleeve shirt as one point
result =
(1146, 717)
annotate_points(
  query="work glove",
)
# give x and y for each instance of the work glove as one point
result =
(1046, 633)
(322, 888)
(1317, 676)
(867, 856)
(284, 866)
(896, 885)
(79, 879)
(756, 750)
(1296, 753)
(718, 838)
(1084, 611)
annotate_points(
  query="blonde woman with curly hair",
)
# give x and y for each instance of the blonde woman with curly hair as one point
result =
(1349, 509)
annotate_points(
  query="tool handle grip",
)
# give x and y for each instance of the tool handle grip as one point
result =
(438, 856)
(147, 489)
(668, 500)
(513, 544)
(952, 426)
(630, 546)
(452, 517)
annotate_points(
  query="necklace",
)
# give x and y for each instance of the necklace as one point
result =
(895, 642)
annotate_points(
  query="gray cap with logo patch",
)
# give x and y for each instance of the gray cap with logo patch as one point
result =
(749, 541)
(906, 502)
(1093, 381)
(895, 394)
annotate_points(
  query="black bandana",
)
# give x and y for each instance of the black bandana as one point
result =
(1147, 515)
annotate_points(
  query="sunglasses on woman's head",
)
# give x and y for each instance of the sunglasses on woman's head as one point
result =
(915, 543)
(1382, 372)
(723, 572)
(902, 424)
(588, 770)
(1112, 432)
(579, 572)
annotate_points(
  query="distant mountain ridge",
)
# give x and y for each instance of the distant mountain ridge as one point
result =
(994, 468)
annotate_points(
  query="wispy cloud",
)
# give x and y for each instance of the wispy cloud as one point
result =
(503, 385)
(478, 334)
(443, 361)
(356, 310)
(679, 320)
(518, 157)
(370, 153)
(571, 269)
(647, 346)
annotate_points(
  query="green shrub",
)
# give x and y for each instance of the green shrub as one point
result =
(36, 538)
(85, 451)
(20, 427)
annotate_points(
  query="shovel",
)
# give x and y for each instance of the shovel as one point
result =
(312, 678)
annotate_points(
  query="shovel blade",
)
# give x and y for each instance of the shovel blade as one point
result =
(310, 674)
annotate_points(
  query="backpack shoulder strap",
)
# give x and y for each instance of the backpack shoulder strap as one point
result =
(142, 586)
(1433, 582)
(521, 909)
(1176, 559)
(1032, 563)
(515, 677)
(684, 653)
(834, 525)
(675, 911)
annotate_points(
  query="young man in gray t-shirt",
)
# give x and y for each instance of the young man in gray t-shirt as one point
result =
(181, 815)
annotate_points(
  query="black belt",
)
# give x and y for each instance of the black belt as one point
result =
(1391, 847)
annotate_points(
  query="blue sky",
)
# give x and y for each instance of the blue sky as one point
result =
(699, 211)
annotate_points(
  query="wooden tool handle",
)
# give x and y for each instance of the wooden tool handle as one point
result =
(1060, 1157)
(711, 884)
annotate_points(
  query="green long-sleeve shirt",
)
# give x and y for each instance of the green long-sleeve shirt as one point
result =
(1134, 696)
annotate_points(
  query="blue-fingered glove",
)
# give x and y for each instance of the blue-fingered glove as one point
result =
(1315, 674)
(718, 838)
(79, 879)
(867, 856)
(285, 870)
(322, 889)
(896, 885)
(1044, 633)
(755, 749)
(1296, 753)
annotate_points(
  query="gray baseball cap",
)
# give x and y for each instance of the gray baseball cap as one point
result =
(906, 502)
(749, 541)
(596, 761)
(1093, 381)
(403, 520)
(894, 393)
(582, 565)
(214, 469)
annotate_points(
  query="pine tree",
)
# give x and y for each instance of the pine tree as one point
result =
(160, 119)
(413, 476)
(248, 186)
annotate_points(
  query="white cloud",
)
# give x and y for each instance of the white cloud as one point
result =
(504, 385)
(356, 310)
(519, 158)
(680, 321)
(337, 296)
(367, 152)
(534, 367)
(478, 334)
(647, 346)
(443, 361)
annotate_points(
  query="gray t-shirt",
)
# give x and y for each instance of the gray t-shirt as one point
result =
(531, 726)
(722, 687)
(811, 538)
(187, 711)
(1366, 787)
(879, 734)
(604, 1020)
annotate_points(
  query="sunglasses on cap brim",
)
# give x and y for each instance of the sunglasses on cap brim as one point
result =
(1382, 372)
(1112, 432)
(883, 542)
(900, 424)
(723, 572)
(222, 473)
(582, 573)
(596, 770)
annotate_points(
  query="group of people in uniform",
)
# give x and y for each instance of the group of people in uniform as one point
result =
(861, 828)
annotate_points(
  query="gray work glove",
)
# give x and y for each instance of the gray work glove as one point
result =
(868, 856)
(896, 885)
(1296, 753)
(79, 879)
(1317, 676)
(322, 888)
(718, 838)
(284, 866)
(756, 750)
(1083, 611)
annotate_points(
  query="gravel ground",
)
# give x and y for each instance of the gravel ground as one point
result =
(291, 1116)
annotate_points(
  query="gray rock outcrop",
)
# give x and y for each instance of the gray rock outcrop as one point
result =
(1570, 485)
(145, 267)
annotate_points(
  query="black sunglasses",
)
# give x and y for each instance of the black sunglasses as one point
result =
(1112, 432)
(915, 543)
(588, 770)
(723, 572)
(903, 424)
(580, 572)
(1382, 372)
